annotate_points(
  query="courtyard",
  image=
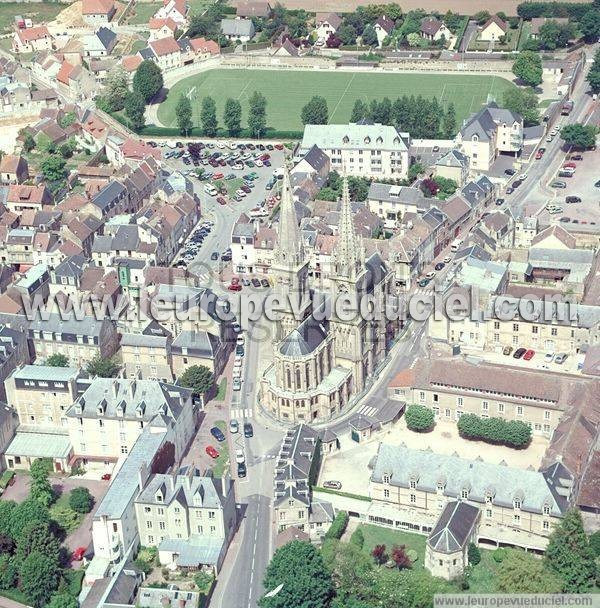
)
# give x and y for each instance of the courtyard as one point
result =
(349, 465)
(340, 89)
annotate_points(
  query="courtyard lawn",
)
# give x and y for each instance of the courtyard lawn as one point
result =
(231, 184)
(288, 91)
(377, 535)
(142, 11)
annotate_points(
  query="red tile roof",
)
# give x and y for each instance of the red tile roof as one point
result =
(97, 7)
(201, 45)
(33, 33)
(64, 72)
(164, 46)
(131, 63)
(157, 24)
(135, 148)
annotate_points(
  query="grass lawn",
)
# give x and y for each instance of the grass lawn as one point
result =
(483, 575)
(377, 535)
(222, 391)
(142, 11)
(231, 184)
(198, 6)
(288, 91)
(222, 462)
(525, 33)
(62, 513)
(512, 37)
(38, 12)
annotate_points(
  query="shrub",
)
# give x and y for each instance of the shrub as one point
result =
(512, 433)
(338, 527)
(500, 554)
(474, 554)
(143, 566)
(358, 538)
(80, 500)
(419, 418)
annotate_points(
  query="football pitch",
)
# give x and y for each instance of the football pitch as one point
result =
(287, 91)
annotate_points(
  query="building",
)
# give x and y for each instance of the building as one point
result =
(191, 519)
(98, 12)
(24, 196)
(447, 548)
(166, 52)
(80, 340)
(108, 418)
(32, 39)
(493, 29)
(296, 470)
(433, 29)
(8, 424)
(147, 354)
(518, 507)
(238, 29)
(99, 44)
(161, 28)
(250, 9)
(320, 364)
(326, 25)
(13, 169)
(488, 133)
(384, 26)
(41, 395)
(177, 10)
(365, 150)
(391, 203)
(453, 165)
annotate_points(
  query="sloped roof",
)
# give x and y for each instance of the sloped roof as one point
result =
(454, 527)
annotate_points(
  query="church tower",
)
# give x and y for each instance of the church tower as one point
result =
(289, 268)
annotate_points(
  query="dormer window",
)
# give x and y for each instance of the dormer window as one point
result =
(517, 503)
(413, 484)
(464, 493)
(159, 497)
(346, 139)
(380, 140)
(367, 140)
(546, 510)
(386, 478)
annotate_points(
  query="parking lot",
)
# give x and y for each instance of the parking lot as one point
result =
(580, 185)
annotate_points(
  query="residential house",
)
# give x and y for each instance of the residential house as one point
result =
(198, 347)
(191, 519)
(167, 52)
(98, 12)
(14, 169)
(327, 24)
(366, 150)
(147, 355)
(493, 29)
(22, 196)
(177, 10)
(391, 202)
(99, 44)
(32, 40)
(161, 28)
(434, 29)
(238, 29)
(453, 165)
(384, 26)
(8, 425)
(257, 9)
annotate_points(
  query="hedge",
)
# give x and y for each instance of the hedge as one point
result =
(338, 527)
(5, 479)
(461, 32)
(512, 433)
(340, 493)
(529, 10)
(419, 418)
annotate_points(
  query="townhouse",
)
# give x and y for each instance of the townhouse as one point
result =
(177, 10)
(147, 355)
(14, 352)
(189, 518)
(161, 28)
(32, 40)
(99, 44)
(367, 150)
(23, 196)
(167, 53)
(14, 169)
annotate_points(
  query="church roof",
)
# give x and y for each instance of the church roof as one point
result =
(453, 529)
(304, 340)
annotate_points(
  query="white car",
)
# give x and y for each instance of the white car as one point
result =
(237, 384)
(549, 357)
(234, 426)
(240, 341)
(258, 162)
(240, 193)
(430, 275)
(240, 457)
(237, 363)
(220, 145)
(237, 373)
(447, 259)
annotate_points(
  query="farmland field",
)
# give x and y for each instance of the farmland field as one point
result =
(288, 91)
(40, 12)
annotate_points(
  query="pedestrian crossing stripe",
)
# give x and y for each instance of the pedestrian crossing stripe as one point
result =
(367, 410)
(241, 413)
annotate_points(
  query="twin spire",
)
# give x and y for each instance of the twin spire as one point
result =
(348, 256)
(290, 247)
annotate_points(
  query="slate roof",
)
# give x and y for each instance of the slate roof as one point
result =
(484, 123)
(305, 339)
(237, 27)
(106, 36)
(454, 527)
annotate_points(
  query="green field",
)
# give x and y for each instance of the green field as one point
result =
(288, 91)
(40, 12)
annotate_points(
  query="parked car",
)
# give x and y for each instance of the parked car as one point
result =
(430, 275)
(540, 153)
(212, 452)
(217, 433)
(447, 259)
(529, 354)
(500, 201)
(240, 457)
(572, 199)
(423, 282)
(234, 426)
(221, 200)
(558, 183)
(78, 554)
(106, 477)
(576, 156)
(255, 282)
(510, 171)
(560, 358)
(597, 184)
(234, 287)
(509, 190)
(214, 255)
(439, 265)
(519, 353)
(264, 283)
(241, 470)
(237, 384)
(239, 350)
(570, 166)
(332, 485)
(548, 357)
(248, 430)
(507, 350)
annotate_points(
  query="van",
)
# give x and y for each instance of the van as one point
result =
(455, 245)
(566, 172)
(210, 190)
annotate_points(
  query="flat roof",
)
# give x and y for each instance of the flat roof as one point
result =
(39, 445)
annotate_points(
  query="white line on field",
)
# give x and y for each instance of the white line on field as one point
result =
(337, 105)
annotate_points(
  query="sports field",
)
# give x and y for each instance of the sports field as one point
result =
(288, 91)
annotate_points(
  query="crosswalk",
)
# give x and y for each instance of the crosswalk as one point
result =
(241, 414)
(367, 410)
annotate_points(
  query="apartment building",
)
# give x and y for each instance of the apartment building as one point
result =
(41, 395)
(296, 469)
(147, 354)
(80, 340)
(488, 133)
(453, 386)
(107, 419)
(391, 202)
(190, 518)
(518, 507)
(14, 352)
(366, 150)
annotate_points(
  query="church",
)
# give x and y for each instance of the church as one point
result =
(322, 353)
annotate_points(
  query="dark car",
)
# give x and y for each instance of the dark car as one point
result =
(499, 201)
(510, 171)
(217, 433)
(572, 199)
(509, 190)
(248, 430)
(516, 183)
(423, 282)
(264, 283)
(439, 265)
(246, 189)
(239, 350)
(241, 470)
(255, 282)
(519, 353)
(214, 255)
(267, 163)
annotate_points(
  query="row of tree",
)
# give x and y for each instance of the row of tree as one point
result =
(423, 118)
(593, 76)
(513, 433)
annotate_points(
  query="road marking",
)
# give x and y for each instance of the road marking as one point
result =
(367, 410)
(343, 95)
(241, 413)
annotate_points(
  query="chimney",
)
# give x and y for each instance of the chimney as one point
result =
(140, 478)
(225, 484)
(115, 388)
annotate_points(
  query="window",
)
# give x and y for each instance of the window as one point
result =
(554, 331)
(545, 525)
(386, 478)
(459, 401)
(519, 410)
(421, 396)
(151, 540)
(464, 493)
(546, 510)
(501, 408)
(485, 406)
(149, 525)
(546, 414)
(413, 498)
(488, 513)
(517, 503)
(515, 327)
(413, 484)
(517, 520)
(386, 493)
(161, 525)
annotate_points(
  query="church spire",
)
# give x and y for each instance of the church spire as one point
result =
(349, 253)
(289, 249)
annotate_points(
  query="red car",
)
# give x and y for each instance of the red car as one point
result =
(265, 157)
(221, 200)
(539, 154)
(569, 166)
(78, 554)
(212, 452)
(106, 477)
(528, 355)
(235, 287)
(218, 176)
(279, 146)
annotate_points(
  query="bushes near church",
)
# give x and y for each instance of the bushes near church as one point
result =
(419, 418)
(512, 433)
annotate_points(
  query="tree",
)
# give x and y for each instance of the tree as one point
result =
(28, 142)
(589, 25)
(183, 113)
(415, 40)
(351, 569)
(555, 35)
(569, 554)
(103, 367)
(419, 418)
(299, 567)
(40, 576)
(7, 544)
(257, 117)
(481, 17)
(358, 538)
(197, 377)
(9, 572)
(41, 490)
(53, 168)
(37, 536)
(62, 600)
(208, 117)
(523, 102)
(148, 80)
(80, 500)
(449, 123)
(7, 507)
(369, 36)
(232, 116)
(578, 135)
(57, 360)
(528, 67)
(400, 558)
(347, 34)
(315, 112)
(135, 109)
(379, 554)
(521, 572)
(594, 74)
(594, 541)
(474, 554)
(116, 89)
(359, 111)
